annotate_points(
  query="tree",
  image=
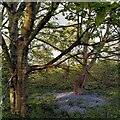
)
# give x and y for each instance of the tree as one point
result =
(103, 22)
(105, 29)
(20, 38)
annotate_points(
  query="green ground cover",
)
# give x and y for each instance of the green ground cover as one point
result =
(43, 85)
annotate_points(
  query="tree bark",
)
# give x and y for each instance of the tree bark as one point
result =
(19, 90)
(79, 82)
(83, 73)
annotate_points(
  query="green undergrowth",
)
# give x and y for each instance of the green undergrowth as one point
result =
(45, 107)
(41, 102)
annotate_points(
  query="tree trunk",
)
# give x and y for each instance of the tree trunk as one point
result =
(66, 74)
(83, 73)
(12, 98)
(19, 91)
(78, 83)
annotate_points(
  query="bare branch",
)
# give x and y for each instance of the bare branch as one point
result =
(71, 56)
(48, 44)
(5, 22)
(108, 56)
(42, 23)
(117, 60)
(20, 9)
(74, 56)
(69, 49)
(6, 54)
(61, 26)
(39, 67)
(6, 5)
(92, 61)
(6, 36)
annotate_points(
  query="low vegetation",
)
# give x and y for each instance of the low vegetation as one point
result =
(44, 84)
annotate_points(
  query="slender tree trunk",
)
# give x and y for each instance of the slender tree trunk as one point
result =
(79, 82)
(66, 74)
(83, 73)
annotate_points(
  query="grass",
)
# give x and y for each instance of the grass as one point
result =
(44, 106)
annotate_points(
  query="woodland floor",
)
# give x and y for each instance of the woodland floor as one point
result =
(70, 103)
(51, 97)
(92, 104)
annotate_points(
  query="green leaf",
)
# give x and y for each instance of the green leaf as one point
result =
(100, 17)
(106, 49)
(86, 5)
(84, 14)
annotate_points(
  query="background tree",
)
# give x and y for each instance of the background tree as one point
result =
(96, 41)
